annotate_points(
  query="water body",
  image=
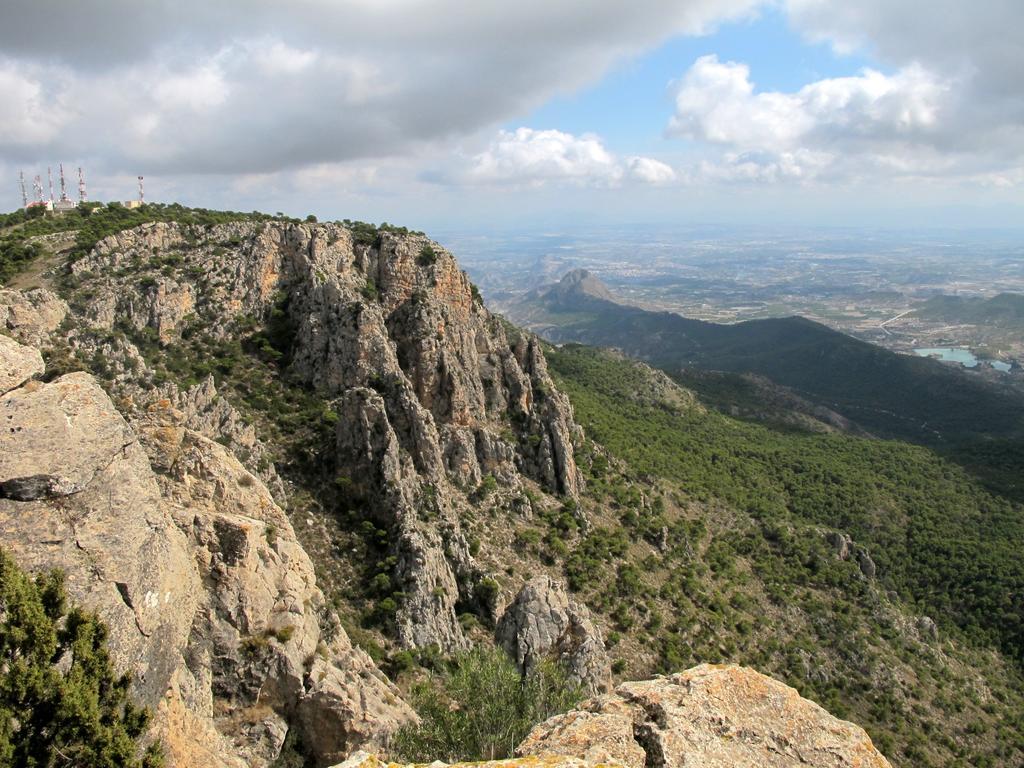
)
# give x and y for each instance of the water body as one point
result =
(962, 356)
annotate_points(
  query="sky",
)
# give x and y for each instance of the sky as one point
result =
(455, 115)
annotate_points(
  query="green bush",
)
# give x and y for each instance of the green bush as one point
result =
(427, 256)
(480, 708)
(60, 701)
(370, 291)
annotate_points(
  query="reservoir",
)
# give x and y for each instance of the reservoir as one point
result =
(962, 356)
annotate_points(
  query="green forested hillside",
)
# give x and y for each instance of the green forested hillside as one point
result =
(944, 547)
(940, 540)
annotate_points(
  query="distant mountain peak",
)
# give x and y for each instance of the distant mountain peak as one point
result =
(579, 282)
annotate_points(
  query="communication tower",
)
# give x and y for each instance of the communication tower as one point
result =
(82, 197)
(24, 195)
(63, 186)
(49, 177)
(142, 195)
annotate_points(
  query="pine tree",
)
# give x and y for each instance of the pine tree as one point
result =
(61, 702)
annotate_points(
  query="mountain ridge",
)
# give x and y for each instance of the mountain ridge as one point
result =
(431, 465)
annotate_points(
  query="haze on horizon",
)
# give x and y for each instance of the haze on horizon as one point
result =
(446, 114)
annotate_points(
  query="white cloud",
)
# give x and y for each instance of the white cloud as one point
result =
(970, 50)
(649, 170)
(255, 86)
(251, 89)
(532, 157)
(277, 58)
(716, 102)
(29, 113)
(196, 90)
(908, 124)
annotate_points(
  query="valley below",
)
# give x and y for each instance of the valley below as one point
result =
(877, 286)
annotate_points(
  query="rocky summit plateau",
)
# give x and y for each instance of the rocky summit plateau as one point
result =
(297, 469)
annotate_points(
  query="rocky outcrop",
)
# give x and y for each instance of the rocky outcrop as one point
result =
(841, 544)
(212, 605)
(58, 437)
(578, 282)
(866, 564)
(31, 316)
(204, 411)
(711, 716)
(707, 717)
(366, 760)
(18, 364)
(543, 622)
(79, 495)
(431, 392)
(845, 548)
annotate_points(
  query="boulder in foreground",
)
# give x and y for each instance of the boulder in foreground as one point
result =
(711, 716)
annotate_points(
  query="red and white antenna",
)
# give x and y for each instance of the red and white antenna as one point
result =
(24, 195)
(142, 194)
(49, 176)
(82, 197)
(63, 186)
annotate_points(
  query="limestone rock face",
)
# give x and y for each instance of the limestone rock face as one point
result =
(258, 647)
(867, 565)
(204, 411)
(595, 737)
(709, 716)
(366, 760)
(79, 495)
(431, 392)
(18, 364)
(31, 316)
(212, 604)
(841, 543)
(544, 622)
(43, 421)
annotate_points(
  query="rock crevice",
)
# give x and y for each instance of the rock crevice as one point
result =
(716, 716)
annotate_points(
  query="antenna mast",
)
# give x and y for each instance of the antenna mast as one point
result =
(82, 197)
(37, 187)
(24, 195)
(63, 186)
(142, 195)
(49, 176)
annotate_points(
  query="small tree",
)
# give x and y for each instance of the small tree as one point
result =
(427, 256)
(61, 704)
(482, 707)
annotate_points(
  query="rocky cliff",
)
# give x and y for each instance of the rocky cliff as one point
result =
(215, 609)
(212, 606)
(431, 393)
(545, 622)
